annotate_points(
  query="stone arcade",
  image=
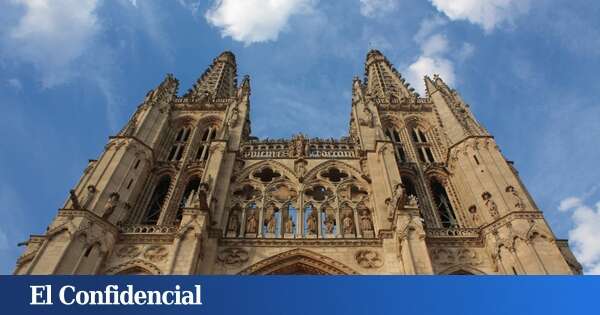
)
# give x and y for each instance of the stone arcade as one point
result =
(417, 187)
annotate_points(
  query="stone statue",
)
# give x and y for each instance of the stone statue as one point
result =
(251, 224)
(413, 201)
(234, 223)
(271, 223)
(369, 117)
(365, 222)
(348, 224)
(329, 224)
(289, 225)
(490, 204)
(74, 200)
(89, 196)
(235, 115)
(111, 205)
(311, 223)
(517, 199)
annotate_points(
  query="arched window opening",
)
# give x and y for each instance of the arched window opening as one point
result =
(251, 228)
(203, 150)
(311, 221)
(178, 147)
(289, 220)
(190, 190)
(442, 205)
(347, 217)
(366, 221)
(329, 227)
(422, 145)
(394, 136)
(157, 201)
(272, 221)
(234, 221)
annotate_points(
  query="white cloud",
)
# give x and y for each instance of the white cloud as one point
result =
(372, 8)
(253, 21)
(15, 84)
(436, 44)
(466, 51)
(427, 65)
(585, 235)
(433, 60)
(51, 35)
(487, 13)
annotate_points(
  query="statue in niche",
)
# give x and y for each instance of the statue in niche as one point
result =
(311, 223)
(490, 204)
(74, 200)
(234, 223)
(517, 199)
(369, 117)
(89, 196)
(251, 224)
(111, 205)
(365, 221)
(329, 224)
(413, 201)
(348, 224)
(289, 225)
(271, 223)
(235, 115)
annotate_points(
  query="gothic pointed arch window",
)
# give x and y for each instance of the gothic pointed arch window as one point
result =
(443, 205)
(394, 136)
(422, 145)
(311, 221)
(329, 222)
(272, 221)
(158, 199)
(290, 218)
(190, 189)
(180, 143)
(208, 135)
(234, 221)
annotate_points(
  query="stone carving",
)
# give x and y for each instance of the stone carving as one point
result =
(251, 224)
(156, 253)
(129, 251)
(519, 205)
(365, 221)
(111, 205)
(329, 223)
(311, 223)
(288, 227)
(234, 223)
(348, 224)
(232, 256)
(299, 146)
(474, 216)
(490, 204)
(452, 256)
(89, 196)
(368, 259)
(369, 119)
(233, 119)
(271, 223)
(412, 201)
(392, 202)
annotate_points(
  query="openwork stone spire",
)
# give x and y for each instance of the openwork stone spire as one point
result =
(383, 80)
(219, 80)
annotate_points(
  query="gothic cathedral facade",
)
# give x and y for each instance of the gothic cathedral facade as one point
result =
(417, 187)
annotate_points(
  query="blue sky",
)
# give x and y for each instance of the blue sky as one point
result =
(72, 71)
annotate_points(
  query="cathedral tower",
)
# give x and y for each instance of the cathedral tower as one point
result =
(417, 187)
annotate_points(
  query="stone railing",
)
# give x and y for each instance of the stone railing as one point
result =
(149, 229)
(453, 232)
(310, 148)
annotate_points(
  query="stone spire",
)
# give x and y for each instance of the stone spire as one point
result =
(383, 80)
(454, 113)
(219, 80)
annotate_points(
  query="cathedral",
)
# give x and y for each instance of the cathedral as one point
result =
(417, 187)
